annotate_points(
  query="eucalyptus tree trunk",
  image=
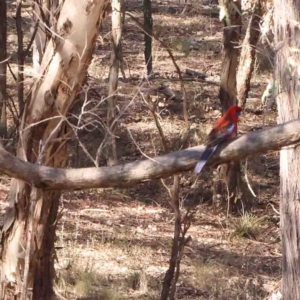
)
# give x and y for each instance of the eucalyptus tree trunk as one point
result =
(3, 95)
(228, 175)
(287, 41)
(247, 58)
(28, 233)
(45, 15)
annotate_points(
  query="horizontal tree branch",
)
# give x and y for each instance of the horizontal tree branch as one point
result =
(159, 167)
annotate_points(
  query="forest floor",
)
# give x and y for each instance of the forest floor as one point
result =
(116, 243)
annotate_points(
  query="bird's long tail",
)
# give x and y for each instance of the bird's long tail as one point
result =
(208, 152)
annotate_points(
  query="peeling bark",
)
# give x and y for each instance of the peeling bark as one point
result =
(63, 71)
(45, 13)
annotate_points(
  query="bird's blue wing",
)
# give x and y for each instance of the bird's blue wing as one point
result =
(208, 152)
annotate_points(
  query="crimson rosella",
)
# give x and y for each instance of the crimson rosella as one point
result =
(223, 129)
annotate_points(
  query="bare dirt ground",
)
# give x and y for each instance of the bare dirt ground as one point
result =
(115, 243)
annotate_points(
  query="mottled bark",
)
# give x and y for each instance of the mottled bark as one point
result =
(247, 57)
(3, 95)
(228, 175)
(231, 36)
(287, 39)
(45, 13)
(28, 232)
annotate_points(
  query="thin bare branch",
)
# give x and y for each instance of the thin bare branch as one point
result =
(185, 101)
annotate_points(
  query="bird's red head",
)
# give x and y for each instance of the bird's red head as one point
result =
(234, 112)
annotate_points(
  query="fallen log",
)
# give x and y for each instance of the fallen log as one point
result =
(195, 74)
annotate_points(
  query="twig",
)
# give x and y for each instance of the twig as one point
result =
(275, 210)
(152, 108)
(13, 110)
(247, 180)
(36, 26)
(182, 243)
(174, 194)
(144, 154)
(12, 73)
(64, 140)
(185, 101)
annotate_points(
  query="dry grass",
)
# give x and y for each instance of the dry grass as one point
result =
(219, 282)
(247, 226)
(123, 249)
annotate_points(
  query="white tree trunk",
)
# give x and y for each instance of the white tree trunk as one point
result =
(29, 226)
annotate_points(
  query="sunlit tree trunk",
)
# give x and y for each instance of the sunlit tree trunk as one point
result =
(247, 57)
(287, 41)
(227, 178)
(45, 14)
(28, 232)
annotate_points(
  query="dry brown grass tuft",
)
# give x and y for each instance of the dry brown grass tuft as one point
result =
(247, 226)
(217, 281)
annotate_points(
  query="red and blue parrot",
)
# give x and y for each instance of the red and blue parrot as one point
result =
(223, 129)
